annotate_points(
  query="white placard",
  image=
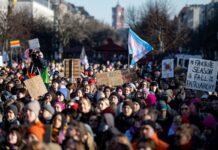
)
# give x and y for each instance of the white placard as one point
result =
(168, 68)
(202, 75)
(1, 61)
(34, 43)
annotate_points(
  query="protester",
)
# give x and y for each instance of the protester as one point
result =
(144, 112)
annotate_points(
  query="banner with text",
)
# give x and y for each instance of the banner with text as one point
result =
(202, 74)
(116, 78)
(34, 43)
(168, 68)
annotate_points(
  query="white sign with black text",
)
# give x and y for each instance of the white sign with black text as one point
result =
(202, 75)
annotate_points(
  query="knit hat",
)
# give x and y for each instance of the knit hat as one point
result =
(62, 91)
(129, 103)
(38, 130)
(49, 108)
(210, 122)
(161, 105)
(12, 108)
(151, 100)
(34, 107)
(60, 104)
(150, 123)
(168, 93)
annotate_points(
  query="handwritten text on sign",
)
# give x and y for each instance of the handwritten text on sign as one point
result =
(202, 74)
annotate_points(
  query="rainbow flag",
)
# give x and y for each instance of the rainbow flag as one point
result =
(15, 44)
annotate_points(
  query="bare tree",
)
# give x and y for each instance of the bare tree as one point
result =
(156, 26)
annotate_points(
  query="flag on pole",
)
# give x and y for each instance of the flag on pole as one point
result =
(137, 47)
(15, 44)
(83, 57)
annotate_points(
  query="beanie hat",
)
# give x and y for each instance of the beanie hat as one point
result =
(38, 130)
(34, 107)
(210, 122)
(49, 108)
(129, 103)
(150, 123)
(12, 108)
(60, 104)
(161, 104)
(168, 93)
(62, 91)
(151, 100)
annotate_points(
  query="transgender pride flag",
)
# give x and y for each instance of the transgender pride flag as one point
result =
(137, 47)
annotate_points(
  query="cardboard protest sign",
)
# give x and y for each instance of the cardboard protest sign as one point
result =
(129, 75)
(72, 68)
(35, 86)
(34, 43)
(202, 75)
(168, 68)
(116, 78)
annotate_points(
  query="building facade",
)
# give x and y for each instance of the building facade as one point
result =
(36, 8)
(118, 17)
(191, 16)
(194, 16)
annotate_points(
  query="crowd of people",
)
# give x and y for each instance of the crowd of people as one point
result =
(150, 113)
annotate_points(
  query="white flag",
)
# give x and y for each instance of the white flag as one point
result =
(83, 57)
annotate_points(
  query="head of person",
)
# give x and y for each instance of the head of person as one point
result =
(148, 128)
(85, 105)
(137, 105)
(162, 107)
(94, 121)
(32, 110)
(183, 134)
(114, 98)
(119, 91)
(107, 91)
(59, 106)
(184, 109)
(58, 120)
(21, 93)
(55, 84)
(79, 93)
(60, 96)
(127, 108)
(154, 86)
(127, 90)
(146, 144)
(47, 112)
(103, 104)
(48, 97)
(11, 113)
(14, 136)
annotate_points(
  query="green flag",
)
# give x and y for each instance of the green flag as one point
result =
(45, 75)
